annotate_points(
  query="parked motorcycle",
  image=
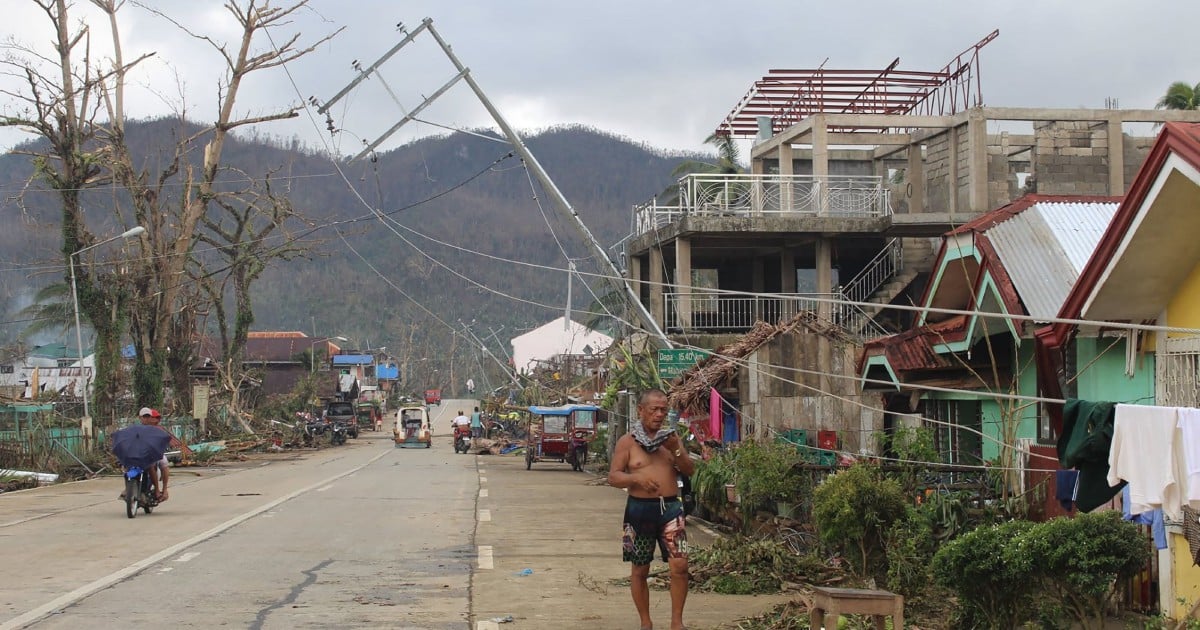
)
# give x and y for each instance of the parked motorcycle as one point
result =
(462, 438)
(337, 433)
(577, 456)
(312, 431)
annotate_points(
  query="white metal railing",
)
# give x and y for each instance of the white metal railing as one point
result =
(880, 269)
(708, 311)
(748, 195)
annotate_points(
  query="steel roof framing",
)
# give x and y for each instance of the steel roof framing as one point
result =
(788, 96)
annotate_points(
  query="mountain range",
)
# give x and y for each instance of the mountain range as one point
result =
(402, 245)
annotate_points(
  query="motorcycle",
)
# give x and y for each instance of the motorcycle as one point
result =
(139, 491)
(337, 433)
(312, 431)
(462, 438)
(577, 456)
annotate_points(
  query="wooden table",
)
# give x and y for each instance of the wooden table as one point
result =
(829, 603)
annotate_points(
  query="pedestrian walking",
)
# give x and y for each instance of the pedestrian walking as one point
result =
(647, 462)
(471, 386)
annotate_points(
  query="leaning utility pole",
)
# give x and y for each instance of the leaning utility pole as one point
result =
(614, 275)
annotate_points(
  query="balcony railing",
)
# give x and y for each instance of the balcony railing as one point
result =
(736, 312)
(746, 195)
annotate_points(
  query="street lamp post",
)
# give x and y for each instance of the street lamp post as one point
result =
(312, 353)
(85, 424)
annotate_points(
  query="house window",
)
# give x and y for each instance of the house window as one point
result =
(1177, 375)
(63, 363)
(957, 426)
(6, 369)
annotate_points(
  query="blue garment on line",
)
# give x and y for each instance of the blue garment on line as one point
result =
(1066, 484)
(1153, 518)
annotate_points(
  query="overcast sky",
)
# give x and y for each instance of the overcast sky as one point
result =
(664, 73)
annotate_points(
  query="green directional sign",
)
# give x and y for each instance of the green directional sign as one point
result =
(673, 362)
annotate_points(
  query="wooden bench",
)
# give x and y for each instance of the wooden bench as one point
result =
(829, 603)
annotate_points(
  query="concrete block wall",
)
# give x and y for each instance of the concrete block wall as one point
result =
(964, 164)
(778, 405)
(1071, 158)
(937, 173)
(1136, 150)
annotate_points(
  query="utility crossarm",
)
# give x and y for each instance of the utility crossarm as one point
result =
(612, 274)
(559, 198)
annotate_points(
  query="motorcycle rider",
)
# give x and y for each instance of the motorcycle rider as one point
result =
(461, 423)
(160, 475)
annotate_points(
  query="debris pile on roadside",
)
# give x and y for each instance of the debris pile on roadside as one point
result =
(495, 446)
(739, 565)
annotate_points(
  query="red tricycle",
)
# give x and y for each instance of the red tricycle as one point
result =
(560, 434)
(433, 397)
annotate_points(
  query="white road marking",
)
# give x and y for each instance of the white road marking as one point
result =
(325, 488)
(487, 625)
(485, 557)
(485, 515)
(483, 480)
(187, 556)
(100, 584)
(482, 471)
(165, 569)
(483, 493)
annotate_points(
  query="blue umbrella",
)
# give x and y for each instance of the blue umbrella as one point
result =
(140, 445)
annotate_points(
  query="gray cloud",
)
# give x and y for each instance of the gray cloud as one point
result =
(662, 72)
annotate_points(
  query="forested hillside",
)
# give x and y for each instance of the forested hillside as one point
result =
(457, 208)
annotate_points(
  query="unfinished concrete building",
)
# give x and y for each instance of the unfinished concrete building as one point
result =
(852, 172)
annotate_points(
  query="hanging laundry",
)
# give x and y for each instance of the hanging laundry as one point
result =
(1143, 454)
(1066, 484)
(1153, 518)
(1189, 435)
(1191, 532)
(1084, 445)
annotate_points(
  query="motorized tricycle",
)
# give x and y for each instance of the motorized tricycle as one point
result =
(462, 438)
(412, 428)
(560, 434)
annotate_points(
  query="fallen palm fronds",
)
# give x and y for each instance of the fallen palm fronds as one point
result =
(690, 391)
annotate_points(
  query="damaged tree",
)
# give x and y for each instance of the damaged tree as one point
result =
(62, 110)
(235, 222)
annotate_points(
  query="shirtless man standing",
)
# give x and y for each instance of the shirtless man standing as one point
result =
(647, 462)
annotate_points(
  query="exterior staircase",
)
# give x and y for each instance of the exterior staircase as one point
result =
(918, 257)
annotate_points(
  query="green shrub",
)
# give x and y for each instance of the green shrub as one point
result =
(909, 546)
(991, 574)
(1080, 560)
(912, 446)
(853, 509)
(765, 472)
(708, 482)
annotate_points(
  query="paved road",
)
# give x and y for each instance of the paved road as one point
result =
(357, 536)
(364, 535)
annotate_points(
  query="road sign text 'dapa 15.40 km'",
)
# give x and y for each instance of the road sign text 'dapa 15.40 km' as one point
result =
(673, 362)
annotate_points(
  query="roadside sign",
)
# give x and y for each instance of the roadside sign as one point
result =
(673, 362)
